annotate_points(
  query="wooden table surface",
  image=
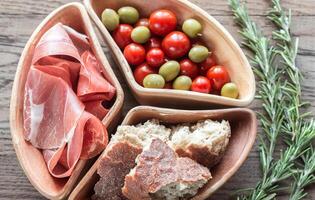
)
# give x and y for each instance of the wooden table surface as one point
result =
(18, 18)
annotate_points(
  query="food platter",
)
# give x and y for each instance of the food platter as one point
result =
(243, 122)
(227, 53)
(222, 43)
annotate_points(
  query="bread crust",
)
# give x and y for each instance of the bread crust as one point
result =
(201, 143)
(158, 167)
(202, 155)
(114, 166)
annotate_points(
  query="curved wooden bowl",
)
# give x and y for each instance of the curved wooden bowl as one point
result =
(243, 125)
(30, 158)
(227, 52)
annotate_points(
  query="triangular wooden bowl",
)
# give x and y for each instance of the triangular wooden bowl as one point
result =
(30, 158)
(227, 52)
(243, 125)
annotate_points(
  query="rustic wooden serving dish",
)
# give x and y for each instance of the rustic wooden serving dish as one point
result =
(30, 158)
(243, 125)
(227, 52)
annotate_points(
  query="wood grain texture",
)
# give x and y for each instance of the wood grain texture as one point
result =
(18, 18)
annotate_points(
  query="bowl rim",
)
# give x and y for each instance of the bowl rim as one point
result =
(14, 101)
(188, 95)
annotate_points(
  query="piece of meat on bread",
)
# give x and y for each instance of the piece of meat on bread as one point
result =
(114, 166)
(204, 142)
(161, 174)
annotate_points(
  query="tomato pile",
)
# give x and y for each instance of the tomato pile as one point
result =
(162, 56)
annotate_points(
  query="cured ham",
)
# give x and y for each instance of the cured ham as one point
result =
(96, 108)
(64, 96)
(51, 110)
(92, 86)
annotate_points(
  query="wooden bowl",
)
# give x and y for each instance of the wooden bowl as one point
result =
(227, 52)
(243, 125)
(30, 158)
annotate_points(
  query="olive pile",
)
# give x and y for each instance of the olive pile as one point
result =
(162, 56)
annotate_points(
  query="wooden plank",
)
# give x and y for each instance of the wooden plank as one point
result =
(218, 7)
(17, 21)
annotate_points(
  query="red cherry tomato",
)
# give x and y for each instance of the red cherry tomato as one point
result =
(207, 64)
(201, 84)
(162, 22)
(176, 44)
(188, 68)
(153, 42)
(218, 75)
(155, 57)
(141, 72)
(122, 35)
(143, 22)
(134, 53)
(168, 85)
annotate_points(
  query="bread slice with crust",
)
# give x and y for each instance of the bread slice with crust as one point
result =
(161, 174)
(114, 166)
(204, 142)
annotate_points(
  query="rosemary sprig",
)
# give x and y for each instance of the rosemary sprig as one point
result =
(287, 49)
(304, 176)
(294, 117)
(269, 84)
(269, 92)
(302, 132)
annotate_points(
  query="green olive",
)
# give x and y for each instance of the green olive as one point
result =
(140, 34)
(182, 83)
(192, 28)
(169, 70)
(110, 19)
(198, 53)
(128, 15)
(229, 90)
(153, 81)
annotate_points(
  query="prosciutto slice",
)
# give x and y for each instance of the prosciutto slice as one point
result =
(63, 102)
(65, 69)
(92, 84)
(96, 108)
(51, 110)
